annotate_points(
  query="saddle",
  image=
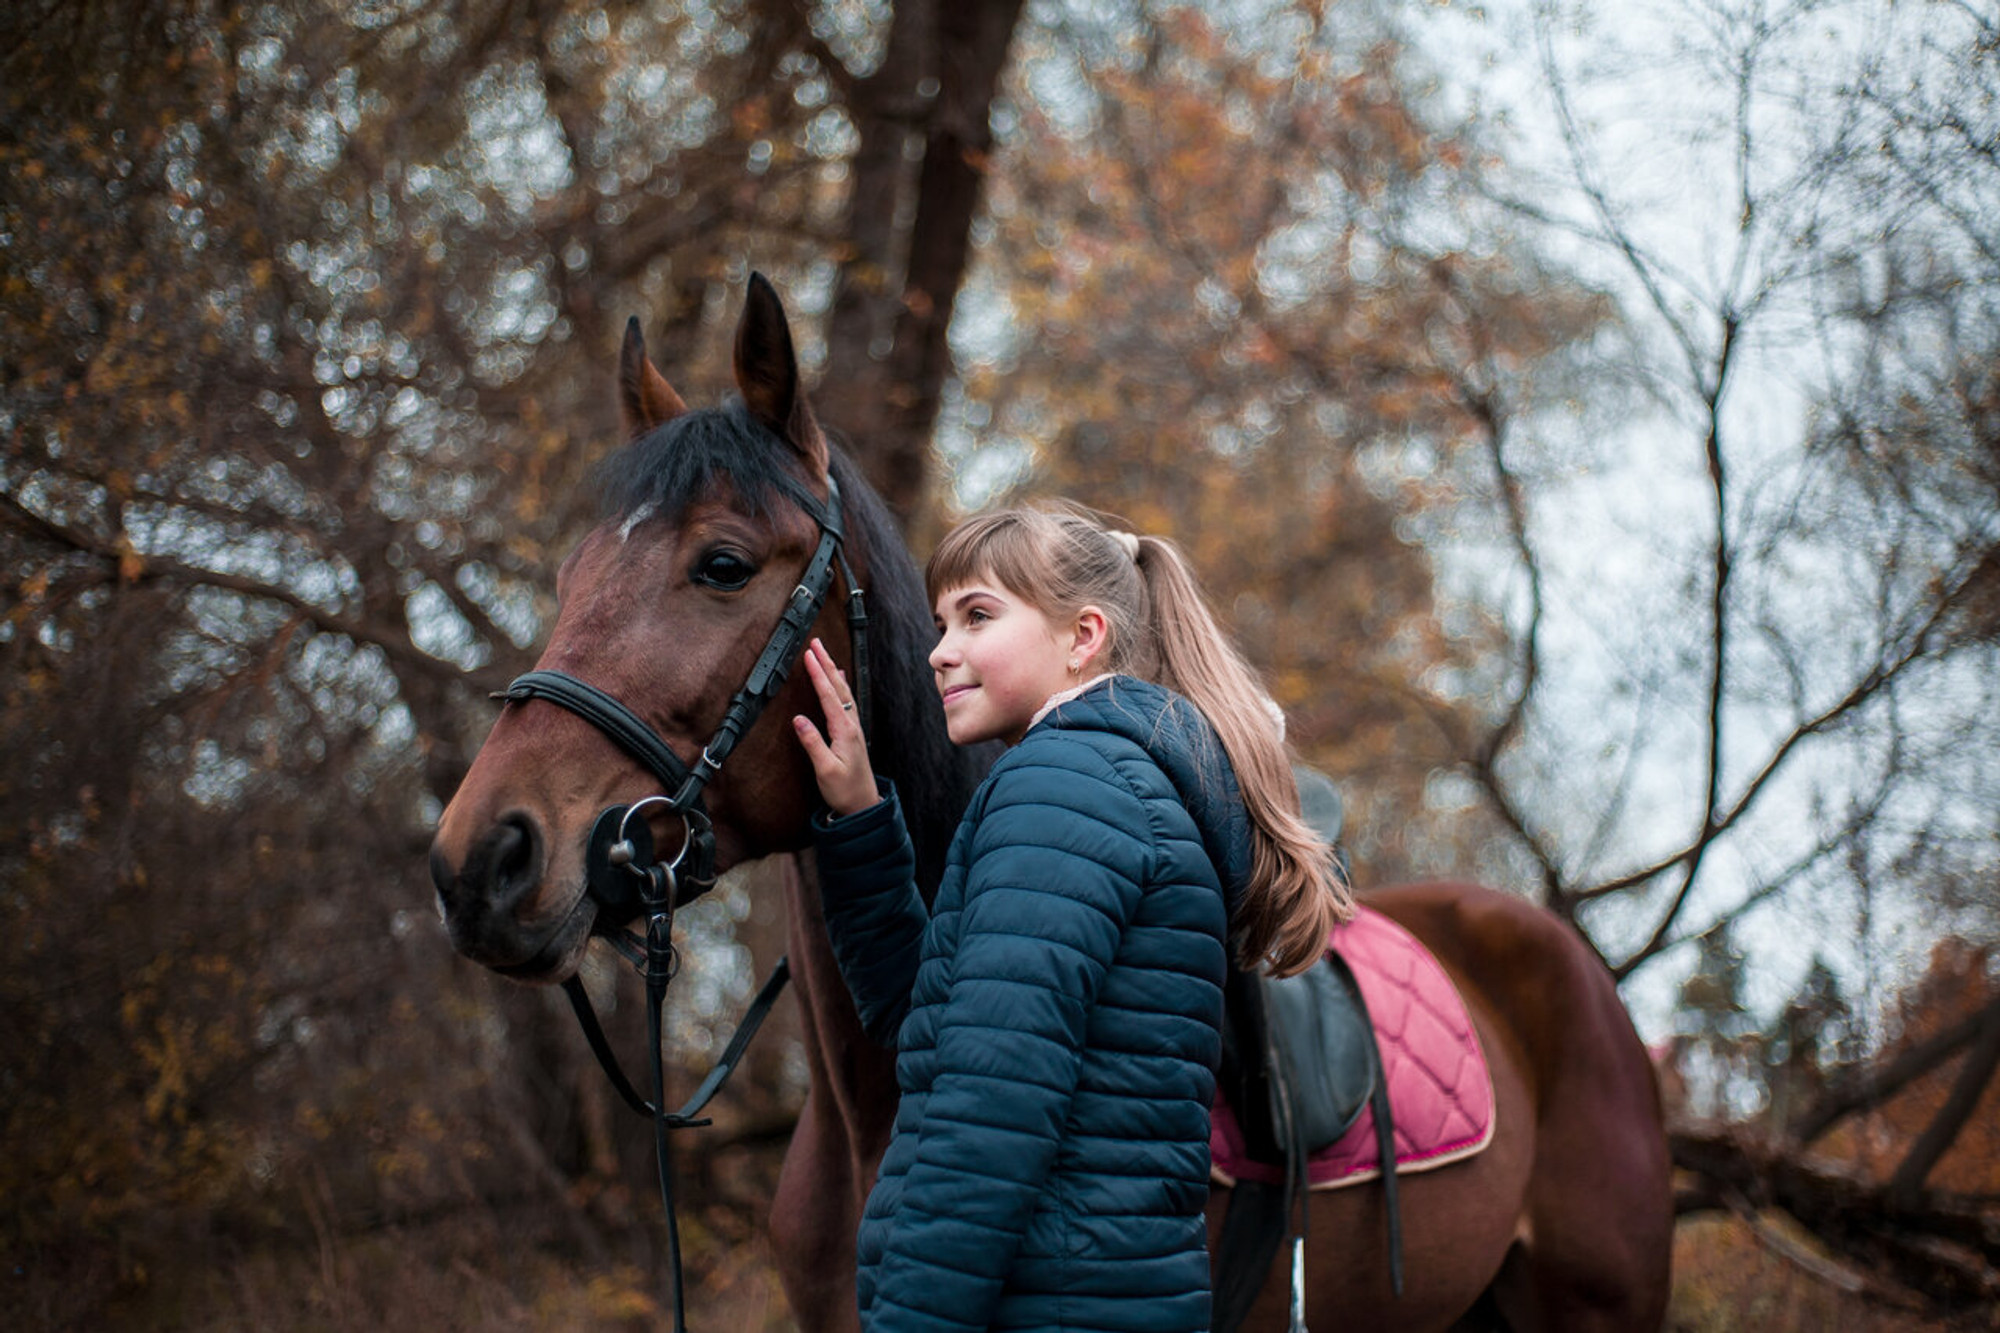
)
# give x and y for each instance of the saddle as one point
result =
(1299, 1064)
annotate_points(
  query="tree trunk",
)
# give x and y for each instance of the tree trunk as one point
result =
(909, 233)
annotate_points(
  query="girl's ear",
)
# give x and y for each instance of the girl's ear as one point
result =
(1090, 635)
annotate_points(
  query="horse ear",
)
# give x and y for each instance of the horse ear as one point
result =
(767, 372)
(645, 399)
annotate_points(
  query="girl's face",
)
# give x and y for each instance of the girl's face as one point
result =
(997, 661)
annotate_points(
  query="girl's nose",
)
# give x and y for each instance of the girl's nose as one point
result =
(943, 655)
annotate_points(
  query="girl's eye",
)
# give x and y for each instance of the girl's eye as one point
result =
(976, 616)
(725, 571)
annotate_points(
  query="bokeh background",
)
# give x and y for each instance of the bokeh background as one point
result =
(1588, 416)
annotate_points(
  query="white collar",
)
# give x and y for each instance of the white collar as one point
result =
(1064, 696)
(1271, 706)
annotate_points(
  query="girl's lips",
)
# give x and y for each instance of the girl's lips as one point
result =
(955, 691)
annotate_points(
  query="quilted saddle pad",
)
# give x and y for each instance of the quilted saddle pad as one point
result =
(1440, 1091)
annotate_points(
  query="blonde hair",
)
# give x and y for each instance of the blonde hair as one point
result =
(1161, 629)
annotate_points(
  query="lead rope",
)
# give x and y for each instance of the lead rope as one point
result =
(656, 895)
(660, 961)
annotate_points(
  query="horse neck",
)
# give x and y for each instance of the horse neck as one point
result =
(853, 1078)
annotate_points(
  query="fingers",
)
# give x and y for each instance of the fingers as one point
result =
(816, 746)
(828, 769)
(828, 680)
(836, 700)
(840, 757)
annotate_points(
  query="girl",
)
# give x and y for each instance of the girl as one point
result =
(1056, 1011)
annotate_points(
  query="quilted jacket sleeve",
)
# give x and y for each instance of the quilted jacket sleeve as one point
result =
(1059, 858)
(874, 914)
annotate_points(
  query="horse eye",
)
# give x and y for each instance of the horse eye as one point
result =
(723, 570)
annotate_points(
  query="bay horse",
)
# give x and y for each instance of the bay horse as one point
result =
(1563, 1222)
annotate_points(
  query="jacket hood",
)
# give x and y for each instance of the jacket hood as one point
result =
(1175, 735)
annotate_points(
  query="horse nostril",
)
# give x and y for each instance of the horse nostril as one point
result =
(503, 866)
(511, 869)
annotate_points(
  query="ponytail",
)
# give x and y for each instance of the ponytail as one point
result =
(1296, 893)
(1161, 629)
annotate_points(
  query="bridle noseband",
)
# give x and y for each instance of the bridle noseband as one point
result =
(622, 872)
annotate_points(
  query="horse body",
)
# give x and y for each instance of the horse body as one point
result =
(1563, 1222)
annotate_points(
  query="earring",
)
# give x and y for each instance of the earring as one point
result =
(1072, 666)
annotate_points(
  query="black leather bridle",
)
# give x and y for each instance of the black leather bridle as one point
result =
(626, 878)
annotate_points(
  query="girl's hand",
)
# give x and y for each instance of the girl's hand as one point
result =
(840, 758)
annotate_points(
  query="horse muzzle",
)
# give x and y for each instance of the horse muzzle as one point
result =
(494, 903)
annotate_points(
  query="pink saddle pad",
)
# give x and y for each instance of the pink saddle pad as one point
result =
(1440, 1092)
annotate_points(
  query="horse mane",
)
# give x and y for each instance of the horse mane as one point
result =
(684, 459)
(934, 777)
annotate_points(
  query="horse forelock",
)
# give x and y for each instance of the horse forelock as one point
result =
(685, 460)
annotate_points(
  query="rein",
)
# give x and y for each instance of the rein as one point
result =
(623, 872)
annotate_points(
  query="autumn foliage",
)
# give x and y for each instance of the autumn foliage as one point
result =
(1228, 334)
(307, 311)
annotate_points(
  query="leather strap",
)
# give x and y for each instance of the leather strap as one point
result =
(683, 782)
(725, 1065)
(605, 713)
(1385, 1127)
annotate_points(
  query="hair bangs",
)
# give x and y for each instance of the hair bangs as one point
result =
(1010, 547)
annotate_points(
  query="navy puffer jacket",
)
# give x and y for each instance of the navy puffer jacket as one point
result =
(1056, 1017)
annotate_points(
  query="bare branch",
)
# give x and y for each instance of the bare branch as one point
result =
(1719, 638)
(1487, 409)
(1918, 644)
(1875, 1087)
(1613, 229)
(1833, 1274)
(1938, 1136)
(1840, 839)
(1942, 1252)
(394, 641)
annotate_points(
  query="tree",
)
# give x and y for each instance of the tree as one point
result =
(1659, 580)
(1232, 294)
(1891, 1167)
(924, 142)
(1807, 500)
(305, 314)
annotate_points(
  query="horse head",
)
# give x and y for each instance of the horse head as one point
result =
(665, 606)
